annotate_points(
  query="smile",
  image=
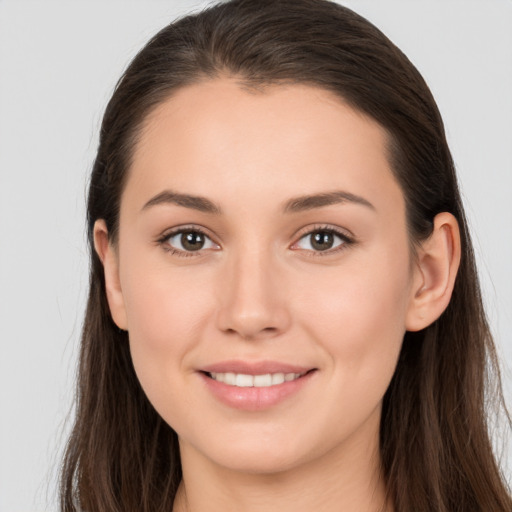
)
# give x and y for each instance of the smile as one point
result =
(250, 386)
(242, 380)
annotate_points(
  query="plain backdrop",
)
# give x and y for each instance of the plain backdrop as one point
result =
(59, 62)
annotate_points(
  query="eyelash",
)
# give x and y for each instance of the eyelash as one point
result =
(178, 252)
(346, 240)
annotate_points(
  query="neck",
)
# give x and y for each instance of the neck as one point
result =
(346, 478)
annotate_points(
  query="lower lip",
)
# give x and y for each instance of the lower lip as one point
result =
(255, 398)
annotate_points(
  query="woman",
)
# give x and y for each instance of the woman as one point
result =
(284, 311)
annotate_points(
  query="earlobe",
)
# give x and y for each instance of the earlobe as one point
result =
(435, 270)
(108, 256)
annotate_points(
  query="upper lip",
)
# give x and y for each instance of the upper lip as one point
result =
(254, 367)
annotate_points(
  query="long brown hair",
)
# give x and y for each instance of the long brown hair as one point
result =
(436, 453)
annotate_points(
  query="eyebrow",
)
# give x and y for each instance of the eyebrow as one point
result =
(310, 202)
(294, 205)
(186, 200)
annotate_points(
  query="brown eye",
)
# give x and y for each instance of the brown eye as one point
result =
(192, 240)
(322, 240)
(188, 240)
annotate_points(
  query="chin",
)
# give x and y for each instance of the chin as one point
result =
(258, 463)
(256, 454)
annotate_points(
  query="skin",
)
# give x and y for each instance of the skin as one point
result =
(258, 290)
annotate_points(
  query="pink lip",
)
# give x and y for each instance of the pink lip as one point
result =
(254, 368)
(254, 398)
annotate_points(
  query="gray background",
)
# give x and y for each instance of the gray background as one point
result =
(58, 64)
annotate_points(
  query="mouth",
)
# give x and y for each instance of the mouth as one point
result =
(256, 386)
(244, 380)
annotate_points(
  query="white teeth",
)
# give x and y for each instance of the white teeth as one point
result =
(277, 378)
(263, 380)
(229, 378)
(258, 381)
(244, 381)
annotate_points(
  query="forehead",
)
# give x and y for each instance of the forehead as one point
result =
(218, 137)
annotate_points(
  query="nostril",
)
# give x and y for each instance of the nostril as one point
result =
(252, 317)
(248, 334)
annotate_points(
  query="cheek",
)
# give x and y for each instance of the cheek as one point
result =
(358, 320)
(166, 312)
(163, 302)
(357, 314)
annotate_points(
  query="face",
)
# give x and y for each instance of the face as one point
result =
(265, 274)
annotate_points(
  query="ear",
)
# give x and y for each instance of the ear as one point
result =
(435, 270)
(108, 256)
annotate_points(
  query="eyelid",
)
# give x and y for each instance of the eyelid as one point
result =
(347, 239)
(164, 238)
(346, 236)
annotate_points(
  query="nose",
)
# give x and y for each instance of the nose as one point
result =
(252, 297)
